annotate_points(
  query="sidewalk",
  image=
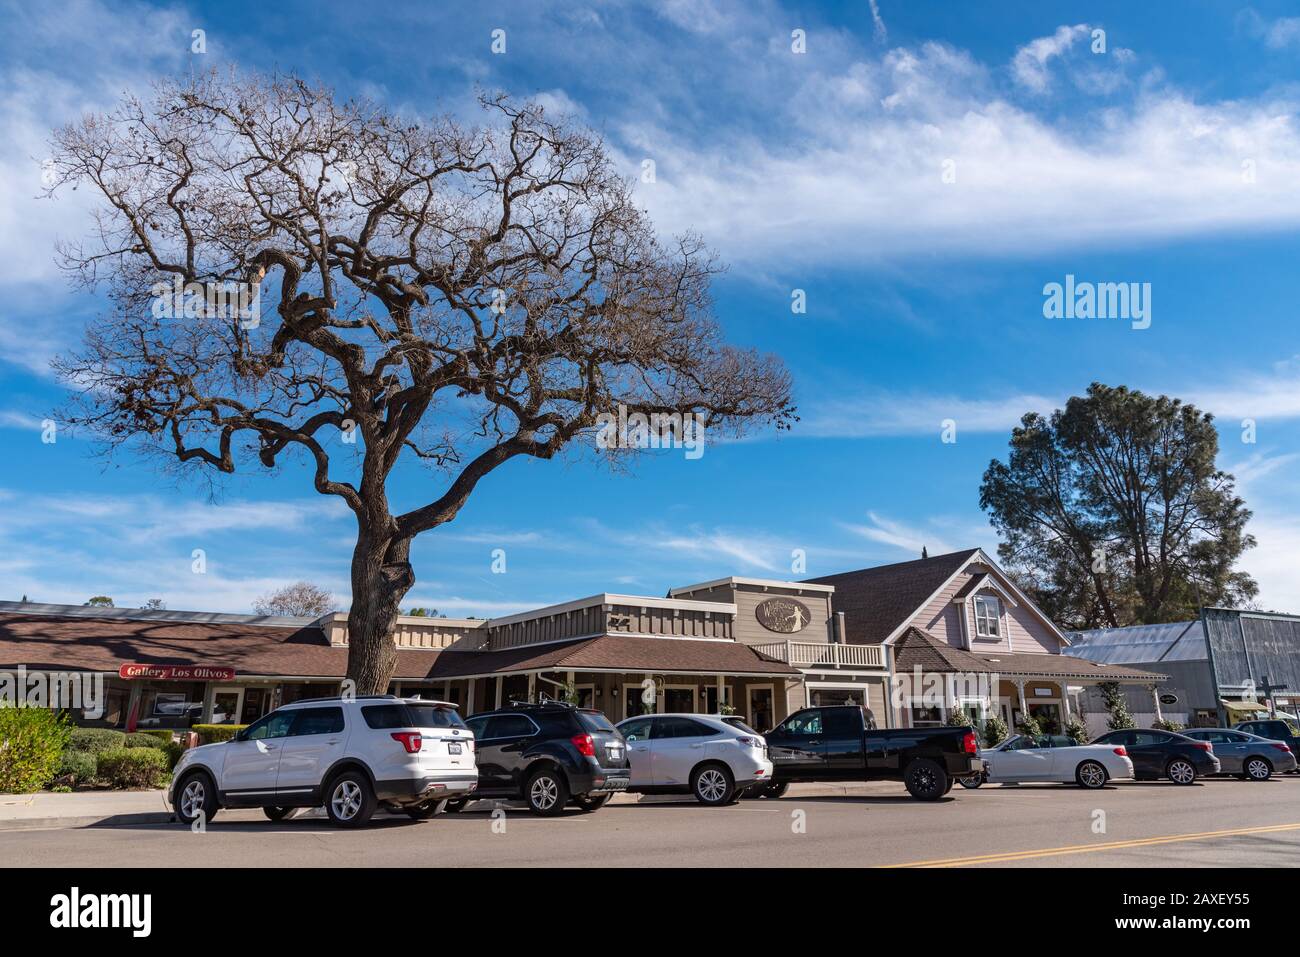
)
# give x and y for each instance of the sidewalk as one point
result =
(44, 810)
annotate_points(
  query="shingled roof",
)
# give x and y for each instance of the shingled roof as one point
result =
(917, 648)
(876, 601)
(615, 653)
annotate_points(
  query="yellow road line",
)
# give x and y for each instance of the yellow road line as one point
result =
(1086, 848)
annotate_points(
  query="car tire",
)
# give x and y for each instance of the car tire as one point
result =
(1257, 769)
(277, 813)
(713, 785)
(1091, 775)
(591, 802)
(1181, 771)
(926, 780)
(547, 792)
(195, 795)
(350, 800)
(974, 781)
(772, 790)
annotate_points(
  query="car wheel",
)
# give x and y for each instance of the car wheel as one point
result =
(773, 791)
(974, 781)
(456, 806)
(1090, 775)
(926, 780)
(195, 795)
(277, 813)
(1181, 772)
(712, 784)
(592, 802)
(350, 800)
(547, 792)
(1258, 769)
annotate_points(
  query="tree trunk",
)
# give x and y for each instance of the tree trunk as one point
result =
(381, 577)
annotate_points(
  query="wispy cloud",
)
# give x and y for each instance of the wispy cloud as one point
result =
(1029, 65)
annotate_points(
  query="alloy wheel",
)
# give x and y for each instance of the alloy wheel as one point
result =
(544, 793)
(711, 785)
(1092, 775)
(193, 798)
(346, 800)
(1257, 769)
(1182, 773)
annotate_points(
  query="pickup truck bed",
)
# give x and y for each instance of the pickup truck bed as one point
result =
(842, 743)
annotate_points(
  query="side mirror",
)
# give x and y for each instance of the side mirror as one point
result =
(241, 735)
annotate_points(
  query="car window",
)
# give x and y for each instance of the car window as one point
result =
(1020, 742)
(1124, 738)
(739, 725)
(680, 728)
(433, 716)
(594, 721)
(274, 725)
(638, 730)
(802, 722)
(478, 726)
(842, 722)
(510, 726)
(1141, 739)
(317, 721)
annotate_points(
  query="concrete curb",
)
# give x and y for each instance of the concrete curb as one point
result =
(99, 820)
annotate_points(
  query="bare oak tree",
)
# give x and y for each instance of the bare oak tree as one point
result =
(299, 600)
(450, 294)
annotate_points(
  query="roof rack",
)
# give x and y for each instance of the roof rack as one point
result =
(546, 703)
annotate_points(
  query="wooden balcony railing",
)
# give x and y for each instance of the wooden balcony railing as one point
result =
(807, 654)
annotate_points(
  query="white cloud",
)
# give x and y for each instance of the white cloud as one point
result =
(1029, 65)
(901, 536)
(915, 414)
(879, 32)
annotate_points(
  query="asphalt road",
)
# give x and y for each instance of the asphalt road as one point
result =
(1215, 823)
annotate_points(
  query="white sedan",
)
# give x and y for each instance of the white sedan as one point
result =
(1050, 757)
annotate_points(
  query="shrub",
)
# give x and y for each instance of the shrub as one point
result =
(1113, 696)
(95, 740)
(1076, 731)
(31, 743)
(164, 735)
(141, 739)
(1163, 725)
(212, 733)
(173, 750)
(133, 767)
(958, 718)
(80, 767)
(1029, 726)
(995, 731)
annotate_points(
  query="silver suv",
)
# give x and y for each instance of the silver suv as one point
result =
(350, 755)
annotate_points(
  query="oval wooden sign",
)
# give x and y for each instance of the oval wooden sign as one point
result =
(783, 615)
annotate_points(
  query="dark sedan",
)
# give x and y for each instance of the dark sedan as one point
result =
(1164, 754)
(1248, 756)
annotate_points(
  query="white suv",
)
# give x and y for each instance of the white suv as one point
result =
(350, 755)
(715, 757)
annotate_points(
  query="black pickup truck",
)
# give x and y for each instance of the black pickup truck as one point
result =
(842, 743)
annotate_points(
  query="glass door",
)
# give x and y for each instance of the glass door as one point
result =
(761, 712)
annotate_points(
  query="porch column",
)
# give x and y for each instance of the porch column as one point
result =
(532, 688)
(133, 702)
(1020, 693)
(1065, 701)
(1155, 699)
(209, 701)
(659, 705)
(722, 693)
(469, 696)
(500, 688)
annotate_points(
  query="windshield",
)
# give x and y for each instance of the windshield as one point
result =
(739, 725)
(594, 721)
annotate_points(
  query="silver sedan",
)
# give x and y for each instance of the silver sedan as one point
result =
(1248, 756)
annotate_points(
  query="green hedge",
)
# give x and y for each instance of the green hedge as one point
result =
(133, 767)
(140, 739)
(173, 750)
(163, 735)
(80, 766)
(212, 733)
(95, 740)
(31, 746)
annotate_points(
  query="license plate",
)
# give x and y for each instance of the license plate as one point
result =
(615, 752)
(453, 748)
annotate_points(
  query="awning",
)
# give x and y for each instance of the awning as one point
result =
(1244, 707)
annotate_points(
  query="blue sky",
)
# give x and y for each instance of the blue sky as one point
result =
(1171, 158)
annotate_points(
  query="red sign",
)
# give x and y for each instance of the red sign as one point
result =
(175, 673)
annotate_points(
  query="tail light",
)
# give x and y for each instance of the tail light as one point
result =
(747, 742)
(1121, 752)
(1282, 746)
(1204, 746)
(411, 740)
(969, 744)
(585, 744)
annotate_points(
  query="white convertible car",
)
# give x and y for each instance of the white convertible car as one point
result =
(1050, 757)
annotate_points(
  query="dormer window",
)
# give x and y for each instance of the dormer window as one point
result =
(988, 614)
